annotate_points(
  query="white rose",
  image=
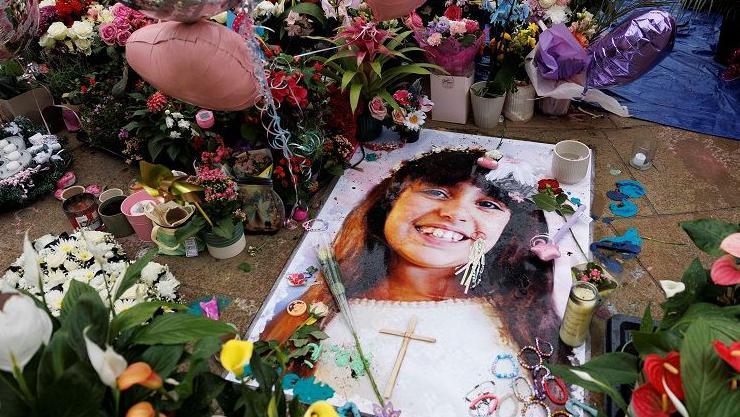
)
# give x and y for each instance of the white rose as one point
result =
(47, 41)
(83, 44)
(105, 16)
(25, 328)
(57, 30)
(81, 30)
(56, 259)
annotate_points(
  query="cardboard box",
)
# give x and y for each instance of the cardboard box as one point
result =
(450, 97)
(27, 104)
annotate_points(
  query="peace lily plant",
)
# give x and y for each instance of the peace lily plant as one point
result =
(150, 360)
(688, 365)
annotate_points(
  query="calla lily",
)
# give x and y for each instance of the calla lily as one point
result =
(25, 327)
(235, 354)
(142, 409)
(139, 373)
(725, 271)
(30, 263)
(321, 409)
(108, 364)
(672, 288)
(731, 245)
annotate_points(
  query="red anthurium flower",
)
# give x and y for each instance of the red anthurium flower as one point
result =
(729, 354)
(648, 402)
(657, 368)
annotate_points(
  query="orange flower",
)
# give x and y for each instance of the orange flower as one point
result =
(139, 373)
(143, 409)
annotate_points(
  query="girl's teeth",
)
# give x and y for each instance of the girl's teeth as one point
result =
(442, 234)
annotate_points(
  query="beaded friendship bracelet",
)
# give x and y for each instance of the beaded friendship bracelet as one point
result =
(514, 369)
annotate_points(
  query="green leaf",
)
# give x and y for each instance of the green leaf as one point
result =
(354, 95)
(190, 229)
(707, 234)
(389, 99)
(89, 311)
(566, 209)
(77, 393)
(163, 358)
(57, 357)
(646, 325)
(225, 228)
(347, 77)
(376, 66)
(180, 328)
(310, 9)
(705, 310)
(245, 267)
(545, 202)
(173, 151)
(659, 343)
(137, 315)
(272, 410)
(705, 376)
(133, 272)
(605, 371)
(76, 289)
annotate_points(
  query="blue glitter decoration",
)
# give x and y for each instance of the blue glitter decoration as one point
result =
(625, 208)
(309, 390)
(576, 201)
(616, 196)
(631, 188)
(626, 247)
(349, 409)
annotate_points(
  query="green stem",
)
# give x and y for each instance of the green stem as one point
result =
(366, 366)
(117, 401)
(22, 385)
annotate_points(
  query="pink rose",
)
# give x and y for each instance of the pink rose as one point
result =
(122, 37)
(399, 116)
(377, 108)
(471, 26)
(108, 33)
(425, 104)
(413, 21)
(403, 97)
(119, 10)
(121, 24)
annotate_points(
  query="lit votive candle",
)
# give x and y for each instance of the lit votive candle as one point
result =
(639, 159)
(583, 300)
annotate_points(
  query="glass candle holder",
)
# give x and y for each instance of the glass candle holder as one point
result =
(582, 301)
(643, 153)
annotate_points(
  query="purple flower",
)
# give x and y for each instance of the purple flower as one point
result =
(122, 37)
(442, 27)
(108, 33)
(123, 134)
(47, 16)
(386, 410)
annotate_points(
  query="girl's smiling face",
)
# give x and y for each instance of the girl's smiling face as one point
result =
(434, 226)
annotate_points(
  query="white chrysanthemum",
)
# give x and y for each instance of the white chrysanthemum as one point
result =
(167, 288)
(169, 122)
(11, 278)
(66, 246)
(44, 240)
(122, 305)
(558, 14)
(83, 255)
(136, 292)
(183, 124)
(98, 282)
(70, 265)
(54, 301)
(151, 272)
(56, 259)
(52, 279)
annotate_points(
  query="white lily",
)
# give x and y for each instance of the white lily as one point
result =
(672, 288)
(30, 263)
(23, 329)
(108, 364)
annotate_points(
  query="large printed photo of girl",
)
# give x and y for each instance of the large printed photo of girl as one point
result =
(398, 252)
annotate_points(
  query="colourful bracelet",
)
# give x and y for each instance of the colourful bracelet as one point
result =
(536, 402)
(514, 369)
(523, 359)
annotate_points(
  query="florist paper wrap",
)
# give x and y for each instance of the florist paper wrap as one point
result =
(559, 55)
(450, 55)
(631, 49)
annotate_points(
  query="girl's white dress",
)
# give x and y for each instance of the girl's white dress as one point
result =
(428, 385)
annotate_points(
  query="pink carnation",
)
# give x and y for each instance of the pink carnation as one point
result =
(435, 39)
(457, 27)
(108, 33)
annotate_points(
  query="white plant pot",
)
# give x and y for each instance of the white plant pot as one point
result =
(554, 106)
(486, 111)
(519, 106)
(221, 248)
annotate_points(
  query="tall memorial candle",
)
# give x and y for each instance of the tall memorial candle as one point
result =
(583, 300)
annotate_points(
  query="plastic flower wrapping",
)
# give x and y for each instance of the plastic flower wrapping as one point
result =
(451, 42)
(95, 259)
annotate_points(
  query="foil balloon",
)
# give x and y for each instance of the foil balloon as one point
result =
(19, 21)
(632, 49)
(203, 63)
(187, 11)
(393, 9)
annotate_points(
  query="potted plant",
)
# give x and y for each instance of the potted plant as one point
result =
(595, 274)
(411, 114)
(519, 105)
(369, 62)
(488, 97)
(688, 363)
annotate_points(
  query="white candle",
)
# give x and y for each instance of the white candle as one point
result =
(639, 159)
(583, 299)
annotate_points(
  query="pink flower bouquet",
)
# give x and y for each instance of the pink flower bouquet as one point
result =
(451, 44)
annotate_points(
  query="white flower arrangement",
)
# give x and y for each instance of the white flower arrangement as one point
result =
(94, 258)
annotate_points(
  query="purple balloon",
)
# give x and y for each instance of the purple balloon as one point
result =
(559, 56)
(632, 49)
